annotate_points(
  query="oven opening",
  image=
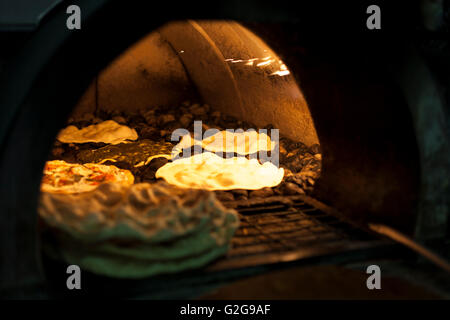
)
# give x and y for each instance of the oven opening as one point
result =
(207, 91)
(194, 148)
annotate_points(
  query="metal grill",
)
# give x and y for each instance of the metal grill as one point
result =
(280, 232)
(271, 232)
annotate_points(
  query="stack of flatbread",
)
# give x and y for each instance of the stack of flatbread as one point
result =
(138, 231)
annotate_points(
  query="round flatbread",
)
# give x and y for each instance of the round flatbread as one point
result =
(106, 132)
(63, 177)
(208, 171)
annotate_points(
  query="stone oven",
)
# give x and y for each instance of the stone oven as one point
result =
(362, 139)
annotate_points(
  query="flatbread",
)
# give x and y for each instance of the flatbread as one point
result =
(106, 132)
(63, 177)
(211, 172)
(133, 154)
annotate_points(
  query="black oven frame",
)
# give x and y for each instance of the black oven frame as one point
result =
(46, 77)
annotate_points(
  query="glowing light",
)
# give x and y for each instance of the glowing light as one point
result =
(211, 172)
(281, 73)
(264, 62)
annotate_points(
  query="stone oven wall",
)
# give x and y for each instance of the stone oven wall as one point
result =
(196, 60)
(147, 74)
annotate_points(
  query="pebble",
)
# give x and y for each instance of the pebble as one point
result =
(307, 173)
(278, 190)
(292, 189)
(264, 192)
(119, 119)
(148, 175)
(297, 162)
(57, 152)
(166, 118)
(149, 116)
(115, 112)
(157, 163)
(239, 193)
(97, 120)
(164, 133)
(185, 120)
(224, 196)
(216, 114)
(294, 178)
(315, 148)
(148, 133)
(197, 110)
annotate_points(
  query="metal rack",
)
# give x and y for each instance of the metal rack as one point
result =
(272, 232)
(280, 232)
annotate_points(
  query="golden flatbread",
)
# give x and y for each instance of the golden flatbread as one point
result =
(63, 177)
(106, 132)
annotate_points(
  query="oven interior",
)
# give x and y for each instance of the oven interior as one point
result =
(222, 74)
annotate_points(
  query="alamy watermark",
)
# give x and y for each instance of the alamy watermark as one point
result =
(374, 20)
(74, 19)
(374, 280)
(74, 280)
(245, 143)
(73, 22)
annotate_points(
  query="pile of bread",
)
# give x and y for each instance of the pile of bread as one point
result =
(137, 231)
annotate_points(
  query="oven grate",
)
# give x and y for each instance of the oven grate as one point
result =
(273, 231)
(284, 232)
